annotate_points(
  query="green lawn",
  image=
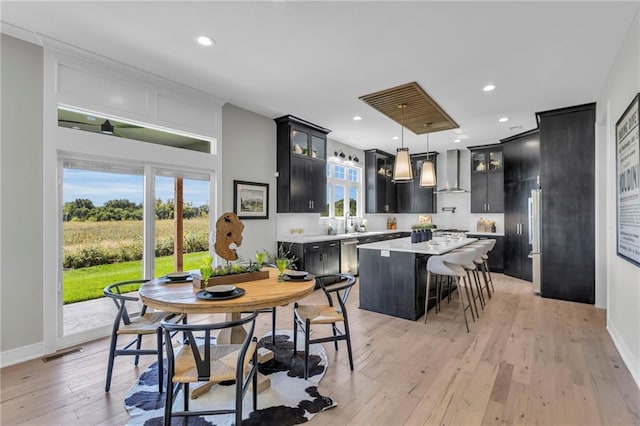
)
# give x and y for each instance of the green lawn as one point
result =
(87, 283)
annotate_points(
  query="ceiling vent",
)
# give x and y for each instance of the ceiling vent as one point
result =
(420, 108)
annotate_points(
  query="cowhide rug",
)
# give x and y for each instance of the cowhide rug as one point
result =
(290, 400)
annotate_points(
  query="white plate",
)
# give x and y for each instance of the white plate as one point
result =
(221, 289)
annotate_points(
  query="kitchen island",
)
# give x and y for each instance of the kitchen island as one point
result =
(393, 274)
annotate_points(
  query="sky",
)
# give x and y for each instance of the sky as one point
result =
(101, 186)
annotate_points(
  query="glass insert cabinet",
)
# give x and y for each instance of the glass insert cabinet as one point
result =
(302, 165)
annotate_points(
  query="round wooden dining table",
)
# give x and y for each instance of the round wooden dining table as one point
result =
(259, 294)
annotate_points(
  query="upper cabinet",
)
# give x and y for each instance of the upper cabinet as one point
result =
(411, 197)
(380, 190)
(521, 156)
(487, 179)
(302, 165)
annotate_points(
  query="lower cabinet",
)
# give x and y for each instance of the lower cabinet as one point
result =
(323, 257)
(496, 256)
(317, 258)
(395, 284)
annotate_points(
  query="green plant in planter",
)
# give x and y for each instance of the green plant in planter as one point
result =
(206, 270)
(422, 226)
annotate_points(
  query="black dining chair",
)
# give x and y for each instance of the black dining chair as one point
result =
(125, 323)
(304, 316)
(200, 360)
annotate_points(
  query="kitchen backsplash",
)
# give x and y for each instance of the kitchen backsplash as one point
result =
(312, 224)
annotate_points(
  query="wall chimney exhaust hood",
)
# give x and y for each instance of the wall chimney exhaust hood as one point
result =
(452, 173)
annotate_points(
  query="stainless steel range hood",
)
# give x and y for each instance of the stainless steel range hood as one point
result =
(452, 174)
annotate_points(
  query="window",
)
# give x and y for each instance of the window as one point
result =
(344, 189)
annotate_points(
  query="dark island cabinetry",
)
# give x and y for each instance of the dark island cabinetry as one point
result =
(487, 179)
(302, 165)
(405, 282)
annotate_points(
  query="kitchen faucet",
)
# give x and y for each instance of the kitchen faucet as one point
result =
(347, 220)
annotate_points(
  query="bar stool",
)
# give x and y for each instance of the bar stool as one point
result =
(489, 244)
(450, 265)
(471, 270)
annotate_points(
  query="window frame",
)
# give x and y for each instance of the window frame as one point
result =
(332, 182)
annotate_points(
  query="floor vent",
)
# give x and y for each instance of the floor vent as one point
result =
(60, 354)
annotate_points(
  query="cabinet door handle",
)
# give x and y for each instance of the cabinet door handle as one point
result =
(488, 207)
(312, 204)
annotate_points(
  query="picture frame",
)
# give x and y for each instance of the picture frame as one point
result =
(251, 199)
(628, 183)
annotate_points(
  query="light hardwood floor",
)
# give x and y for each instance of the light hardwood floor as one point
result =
(527, 360)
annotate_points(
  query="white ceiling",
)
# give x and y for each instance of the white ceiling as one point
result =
(314, 59)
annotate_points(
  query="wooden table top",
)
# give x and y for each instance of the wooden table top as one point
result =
(259, 294)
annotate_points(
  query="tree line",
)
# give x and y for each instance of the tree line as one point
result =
(83, 209)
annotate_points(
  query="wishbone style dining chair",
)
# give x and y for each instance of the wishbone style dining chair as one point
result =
(199, 360)
(125, 323)
(304, 316)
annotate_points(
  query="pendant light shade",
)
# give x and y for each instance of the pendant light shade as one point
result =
(402, 170)
(428, 174)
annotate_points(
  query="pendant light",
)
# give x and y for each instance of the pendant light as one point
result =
(428, 175)
(402, 171)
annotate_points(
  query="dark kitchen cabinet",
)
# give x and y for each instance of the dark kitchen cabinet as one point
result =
(317, 258)
(487, 179)
(517, 235)
(521, 173)
(411, 198)
(567, 178)
(380, 190)
(521, 154)
(301, 162)
(496, 255)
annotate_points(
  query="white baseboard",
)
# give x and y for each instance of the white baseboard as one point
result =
(632, 363)
(18, 355)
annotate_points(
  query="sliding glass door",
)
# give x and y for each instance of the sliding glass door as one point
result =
(105, 212)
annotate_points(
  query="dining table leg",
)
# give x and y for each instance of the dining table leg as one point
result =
(232, 335)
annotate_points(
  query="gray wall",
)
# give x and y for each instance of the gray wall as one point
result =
(622, 278)
(21, 159)
(249, 154)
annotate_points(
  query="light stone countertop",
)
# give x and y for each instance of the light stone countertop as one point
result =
(435, 246)
(488, 234)
(304, 238)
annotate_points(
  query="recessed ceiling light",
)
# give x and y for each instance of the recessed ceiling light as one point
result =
(357, 118)
(205, 41)
(456, 140)
(395, 138)
(503, 119)
(489, 88)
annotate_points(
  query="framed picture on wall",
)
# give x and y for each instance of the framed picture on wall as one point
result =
(628, 183)
(251, 199)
